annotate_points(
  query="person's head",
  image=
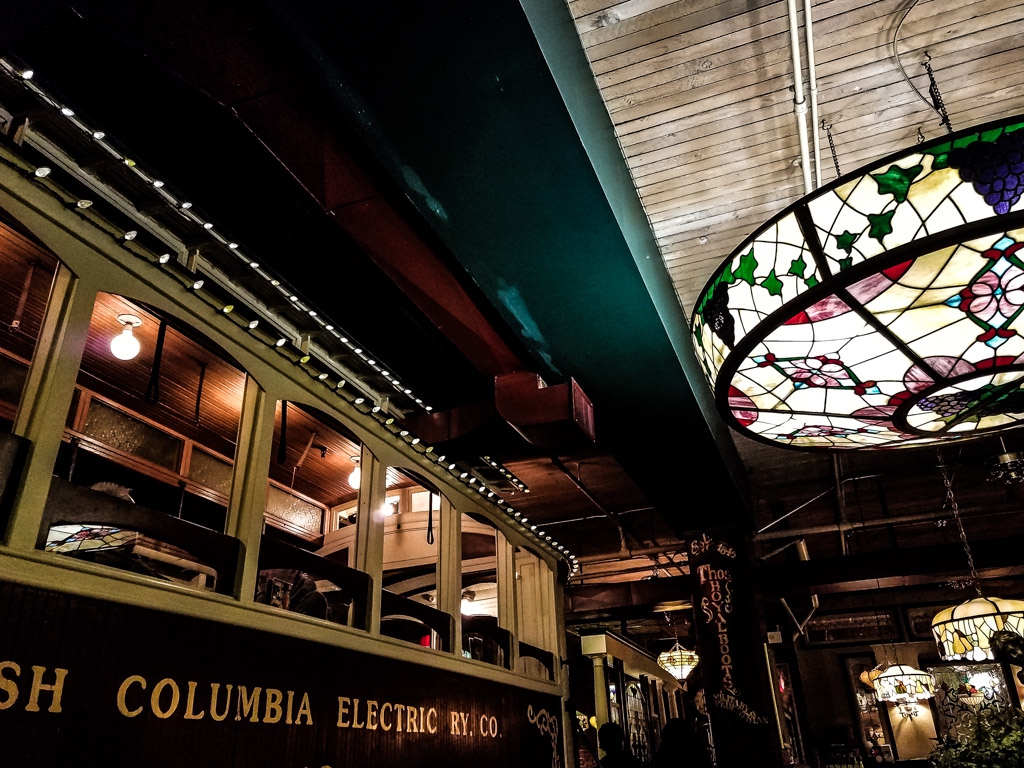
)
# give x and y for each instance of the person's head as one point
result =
(610, 737)
(675, 732)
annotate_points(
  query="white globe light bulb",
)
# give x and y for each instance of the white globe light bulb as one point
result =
(125, 346)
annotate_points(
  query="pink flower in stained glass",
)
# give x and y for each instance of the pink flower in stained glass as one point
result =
(822, 430)
(742, 407)
(917, 379)
(820, 371)
(993, 293)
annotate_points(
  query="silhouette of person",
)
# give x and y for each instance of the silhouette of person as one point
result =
(612, 740)
(681, 745)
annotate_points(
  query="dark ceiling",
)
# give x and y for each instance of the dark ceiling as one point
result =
(414, 171)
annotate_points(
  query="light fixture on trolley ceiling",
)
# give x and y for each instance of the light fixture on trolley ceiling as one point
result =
(965, 631)
(883, 309)
(355, 475)
(125, 346)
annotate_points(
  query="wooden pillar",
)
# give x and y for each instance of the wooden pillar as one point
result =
(369, 554)
(249, 476)
(46, 398)
(601, 709)
(449, 569)
(673, 705)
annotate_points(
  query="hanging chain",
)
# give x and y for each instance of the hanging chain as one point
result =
(959, 523)
(933, 91)
(832, 146)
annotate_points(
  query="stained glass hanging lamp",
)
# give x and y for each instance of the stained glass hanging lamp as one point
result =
(678, 661)
(883, 309)
(964, 632)
(904, 686)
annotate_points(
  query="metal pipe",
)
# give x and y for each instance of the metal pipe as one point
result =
(799, 102)
(674, 547)
(793, 511)
(882, 522)
(585, 518)
(811, 501)
(837, 473)
(812, 85)
(623, 547)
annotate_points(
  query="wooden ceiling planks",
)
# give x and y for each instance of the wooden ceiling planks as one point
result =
(701, 97)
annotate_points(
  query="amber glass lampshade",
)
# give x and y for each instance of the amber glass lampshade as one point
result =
(965, 631)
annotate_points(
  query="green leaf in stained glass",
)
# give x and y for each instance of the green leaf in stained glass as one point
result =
(747, 266)
(772, 284)
(727, 276)
(940, 155)
(896, 181)
(846, 240)
(798, 266)
(881, 224)
(992, 135)
(964, 141)
(845, 263)
(811, 281)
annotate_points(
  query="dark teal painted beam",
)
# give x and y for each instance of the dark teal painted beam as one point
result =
(525, 191)
(559, 41)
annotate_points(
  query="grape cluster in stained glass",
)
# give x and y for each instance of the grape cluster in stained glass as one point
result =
(857, 318)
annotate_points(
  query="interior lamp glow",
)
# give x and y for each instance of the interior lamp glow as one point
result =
(904, 686)
(883, 309)
(678, 661)
(900, 682)
(355, 475)
(125, 346)
(964, 632)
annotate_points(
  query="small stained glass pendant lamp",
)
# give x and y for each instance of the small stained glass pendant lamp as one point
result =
(678, 661)
(883, 309)
(904, 686)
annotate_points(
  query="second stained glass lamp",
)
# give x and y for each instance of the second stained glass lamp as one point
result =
(883, 309)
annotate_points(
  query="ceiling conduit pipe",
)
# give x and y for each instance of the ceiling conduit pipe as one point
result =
(878, 522)
(812, 86)
(801, 626)
(799, 102)
(623, 546)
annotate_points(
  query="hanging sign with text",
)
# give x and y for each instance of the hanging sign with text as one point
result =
(87, 682)
(731, 657)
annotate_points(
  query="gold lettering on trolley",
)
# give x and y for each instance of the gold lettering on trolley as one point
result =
(154, 700)
(122, 695)
(269, 705)
(248, 704)
(10, 671)
(214, 690)
(385, 716)
(190, 713)
(168, 698)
